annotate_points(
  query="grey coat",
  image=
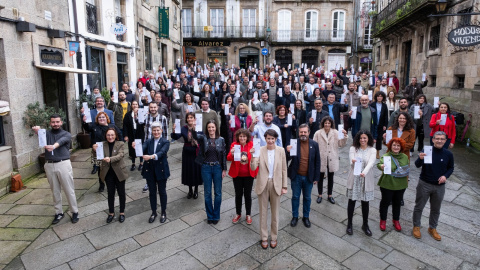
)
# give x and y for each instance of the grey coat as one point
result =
(427, 110)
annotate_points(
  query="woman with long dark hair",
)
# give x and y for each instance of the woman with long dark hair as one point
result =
(404, 128)
(187, 106)
(422, 125)
(225, 131)
(133, 130)
(281, 120)
(299, 116)
(382, 118)
(448, 127)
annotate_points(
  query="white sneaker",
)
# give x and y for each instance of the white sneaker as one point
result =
(145, 189)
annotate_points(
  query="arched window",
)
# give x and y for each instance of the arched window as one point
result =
(338, 33)
(284, 24)
(311, 25)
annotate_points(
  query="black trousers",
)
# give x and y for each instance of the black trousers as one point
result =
(243, 188)
(100, 182)
(330, 182)
(420, 136)
(378, 144)
(114, 184)
(394, 196)
(351, 208)
(161, 185)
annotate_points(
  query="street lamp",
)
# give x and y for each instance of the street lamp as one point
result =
(441, 6)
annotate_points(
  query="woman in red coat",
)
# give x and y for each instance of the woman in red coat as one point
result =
(242, 174)
(242, 118)
(448, 127)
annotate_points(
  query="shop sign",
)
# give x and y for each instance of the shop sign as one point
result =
(365, 60)
(190, 54)
(118, 29)
(163, 23)
(51, 57)
(465, 36)
(204, 43)
(217, 54)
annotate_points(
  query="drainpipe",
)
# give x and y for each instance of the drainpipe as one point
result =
(79, 53)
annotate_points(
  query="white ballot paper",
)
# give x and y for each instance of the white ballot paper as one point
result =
(138, 147)
(416, 115)
(428, 150)
(435, 102)
(292, 107)
(360, 91)
(384, 75)
(227, 109)
(357, 169)
(175, 94)
(354, 112)
(190, 108)
(388, 137)
(293, 143)
(86, 112)
(141, 115)
(236, 153)
(87, 87)
(314, 115)
(100, 151)
(42, 137)
(232, 124)
(115, 97)
(280, 92)
(199, 121)
(177, 126)
(370, 94)
(289, 119)
(256, 145)
(424, 77)
(345, 88)
(342, 99)
(443, 119)
(114, 87)
(340, 132)
(371, 80)
(390, 81)
(260, 117)
(387, 162)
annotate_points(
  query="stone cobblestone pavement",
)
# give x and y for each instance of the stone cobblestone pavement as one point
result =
(186, 241)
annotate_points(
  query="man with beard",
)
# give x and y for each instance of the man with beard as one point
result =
(286, 99)
(272, 90)
(264, 105)
(207, 114)
(365, 82)
(384, 88)
(119, 109)
(413, 90)
(334, 109)
(128, 92)
(175, 113)
(235, 100)
(353, 100)
(58, 167)
(259, 129)
(320, 113)
(366, 118)
(403, 104)
(162, 107)
(304, 172)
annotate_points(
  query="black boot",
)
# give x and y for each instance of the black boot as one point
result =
(366, 229)
(349, 228)
(95, 169)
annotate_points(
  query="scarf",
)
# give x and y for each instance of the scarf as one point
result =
(243, 119)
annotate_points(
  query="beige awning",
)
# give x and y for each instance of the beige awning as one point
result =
(67, 69)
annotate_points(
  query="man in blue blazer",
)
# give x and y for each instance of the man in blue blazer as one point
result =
(100, 107)
(156, 170)
(304, 172)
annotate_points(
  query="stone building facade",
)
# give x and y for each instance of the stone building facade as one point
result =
(410, 43)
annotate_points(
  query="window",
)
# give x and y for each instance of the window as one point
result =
(387, 51)
(367, 37)
(434, 38)
(148, 53)
(216, 20)
(175, 17)
(378, 53)
(311, 25)
(420, 44)
(92, 23)
(284, 22)
(433, 79)
(460, 81)
(187, 22)
(248, 22)
(119, 5)
(338, 33)
(465, 19)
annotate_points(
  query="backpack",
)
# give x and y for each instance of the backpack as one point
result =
(16, 183)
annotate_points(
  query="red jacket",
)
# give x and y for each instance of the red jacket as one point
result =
(448, 128)
(233, 172)
(238, 123)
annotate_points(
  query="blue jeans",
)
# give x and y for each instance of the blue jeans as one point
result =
(212, 174)
(301, 185)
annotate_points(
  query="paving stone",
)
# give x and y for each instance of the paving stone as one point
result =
(32, 222)
(239, 262)
(6, 219)
(195, 217)
(84, 184)
(320, 239)
(11, 249)
(403, 261)
(216, 250)
(282, 261)
(160, 232)
(312, 257)
(326, 223)
(157, 251)
(48, 237)
(368, 244)
(304, 267)
(13, 197)
(15, 264)
(98, 207)
(19, 234)
(84, 224)
(62, 267)
(58, 253)
(468, 266)
(181, 260)
(104, 255)
(467, 226)
(332, 211)
(39, 183)
(469, 201)
(114, 232)
(111, 265)
(451, 195)
(180, 208)
(32, 210)
(422, 251)
(284, 241)
(90, 197)
(363, 260)
(136, 207)
(4, 207)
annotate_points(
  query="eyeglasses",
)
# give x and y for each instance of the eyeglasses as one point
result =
(440, 139)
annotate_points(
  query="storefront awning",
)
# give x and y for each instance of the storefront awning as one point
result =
(67, 69)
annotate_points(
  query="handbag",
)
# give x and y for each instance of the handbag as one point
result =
(401, 171)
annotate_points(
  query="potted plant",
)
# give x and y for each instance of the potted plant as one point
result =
(83, 138)
(36, 115)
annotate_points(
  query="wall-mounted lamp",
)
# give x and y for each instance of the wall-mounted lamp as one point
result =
(235, 49)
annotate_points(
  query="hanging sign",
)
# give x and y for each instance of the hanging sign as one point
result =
(118, 29)
(163, 22)
(465, 36)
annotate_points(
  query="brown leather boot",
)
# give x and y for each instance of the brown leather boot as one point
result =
(416, 232)
(434, 234)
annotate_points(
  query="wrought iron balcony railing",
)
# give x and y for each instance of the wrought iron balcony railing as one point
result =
(223, 32)
(312, 36)
(92, 24)
(119, 19)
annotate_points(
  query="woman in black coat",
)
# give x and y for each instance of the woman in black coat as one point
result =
(225, 130)
(299, 117)
(281, 120)
(379, 100)
(133, 130)
(207, 92)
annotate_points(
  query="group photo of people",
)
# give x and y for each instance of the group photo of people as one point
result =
(274, 131)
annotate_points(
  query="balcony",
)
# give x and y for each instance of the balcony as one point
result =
(306, 36)
(249, 32)
(92, 23)
(401, 13)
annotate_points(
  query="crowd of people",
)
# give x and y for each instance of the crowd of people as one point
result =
(272, 124)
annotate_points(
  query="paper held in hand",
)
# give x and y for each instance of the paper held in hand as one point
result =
(138, 147)
(256, 145)
(199, 121)
(354, 112)
(370, 95)
(175, 94)
(292, 108)
(342, 99)
(435, 102)
(42, 137)
(232, 123)
(357, 169)
(443, 119)
(260, 117)
(141, 115)
(428, 150)
(226, 109)
(100, 151)
(115, 97)
(424, 77)
(177, 126)
(388, 137)
(293, 151)
(280, 92)
(340, 132)
(289, 119)
(314, 115)
(387, 163)
(236, 153)
(86, 112)
(416, 114)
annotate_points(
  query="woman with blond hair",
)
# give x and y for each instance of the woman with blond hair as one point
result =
(242, 119)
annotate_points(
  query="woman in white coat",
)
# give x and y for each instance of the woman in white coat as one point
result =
(328, 143)
(360, 184)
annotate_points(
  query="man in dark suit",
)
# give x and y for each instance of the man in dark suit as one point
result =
(156, 170)
(100, 107)
(413, 90)
(315, 125)
(334, 109)
(304, 172)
